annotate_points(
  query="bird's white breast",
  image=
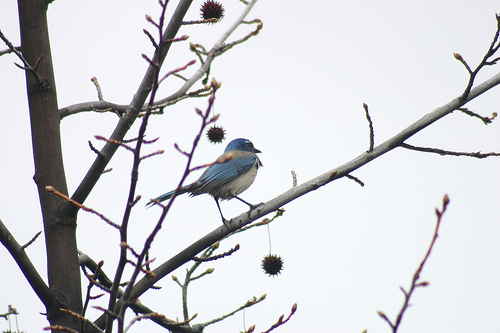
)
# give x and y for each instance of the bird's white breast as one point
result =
(239, 184)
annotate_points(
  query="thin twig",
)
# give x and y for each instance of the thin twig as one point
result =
(94, 149)
(226, 47)
(281, 321)
(294, 178)
(188, 278)
(248, 304)
(447, 152)
(151, 38)
(19, 54)
(98, 279)
(219, 256)
(60, 328)
(52, 190)
(8, 51)
(82, 318)
(11, 311)
(486, 61)
(98, 87)
(356, 179)
(175, 71)
(370, 125)
(31, 241)
(158, 152)
(116, 142)
(211, 20)
(137, 318)
(485, 120)
(415, 281)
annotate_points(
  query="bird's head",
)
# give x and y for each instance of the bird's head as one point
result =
(241, 144)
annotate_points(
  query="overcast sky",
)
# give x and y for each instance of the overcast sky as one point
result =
(297, 92)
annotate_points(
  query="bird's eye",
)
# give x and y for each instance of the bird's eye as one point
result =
(249, 144)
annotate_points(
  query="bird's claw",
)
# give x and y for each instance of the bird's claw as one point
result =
(252, 207)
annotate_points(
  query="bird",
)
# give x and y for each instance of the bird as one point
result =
(232, 173)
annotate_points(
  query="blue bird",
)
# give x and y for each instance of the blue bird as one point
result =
(231, 174)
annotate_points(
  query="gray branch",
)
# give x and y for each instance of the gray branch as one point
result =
(131, 113)
(36, 282)
(182, 93)
(295, 192)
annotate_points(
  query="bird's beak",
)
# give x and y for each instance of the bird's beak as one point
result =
(255, 150)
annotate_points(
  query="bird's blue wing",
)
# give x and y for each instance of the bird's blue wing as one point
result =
(229, 166)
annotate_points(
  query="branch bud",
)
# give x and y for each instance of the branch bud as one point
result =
(458, 56)
(446, 200)
(214, 118)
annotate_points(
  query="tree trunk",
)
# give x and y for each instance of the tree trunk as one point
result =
(60, 231)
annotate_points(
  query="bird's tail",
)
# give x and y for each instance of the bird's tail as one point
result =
(169, 195)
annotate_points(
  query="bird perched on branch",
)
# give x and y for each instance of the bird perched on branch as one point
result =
(231, 174)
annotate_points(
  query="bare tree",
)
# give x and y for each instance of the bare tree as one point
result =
(63, 297)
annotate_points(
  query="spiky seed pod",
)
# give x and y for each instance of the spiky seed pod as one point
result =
(216, 134)
(212, 9)
(272, 264)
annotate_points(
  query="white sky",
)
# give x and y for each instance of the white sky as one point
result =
(296, 91)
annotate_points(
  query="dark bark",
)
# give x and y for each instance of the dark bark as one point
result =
(60, 236)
